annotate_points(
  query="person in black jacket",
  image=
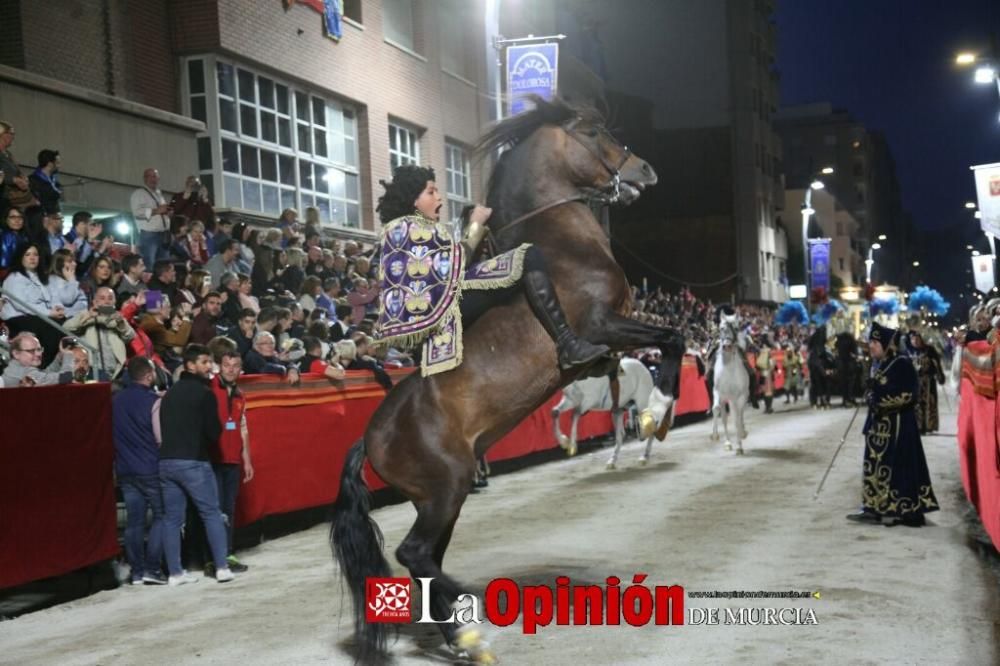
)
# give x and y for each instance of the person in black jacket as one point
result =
(190, 427)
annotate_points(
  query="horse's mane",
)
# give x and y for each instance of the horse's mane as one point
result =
(512, 131)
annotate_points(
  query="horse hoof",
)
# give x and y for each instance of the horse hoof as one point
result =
(729, 446)
(713, 437)
(571, 451)
(739, 451)
(470, 644)
(744, 435)
(644, 461)
(610, 465)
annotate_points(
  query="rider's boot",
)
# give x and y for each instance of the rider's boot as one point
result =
(541, 295)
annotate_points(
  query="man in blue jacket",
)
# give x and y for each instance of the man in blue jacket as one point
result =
(137, 459)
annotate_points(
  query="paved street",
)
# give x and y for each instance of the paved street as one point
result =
(696, 516)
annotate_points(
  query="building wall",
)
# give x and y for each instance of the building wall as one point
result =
(830, 221)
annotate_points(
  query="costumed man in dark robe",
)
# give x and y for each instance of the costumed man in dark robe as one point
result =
(896, 486)
(431, 288)
(766, 367)
(847, 366)
(819, 392)
(930, 373)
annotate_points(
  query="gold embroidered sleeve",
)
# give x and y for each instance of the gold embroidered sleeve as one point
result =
(892, 403)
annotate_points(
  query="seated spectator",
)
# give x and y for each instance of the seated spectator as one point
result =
(26, 360)
(205, 324)
(177, 250)
(105, 329)
(27, 287)
(262, 359)
(63, 286)
(194, 204)
(293, 275)
(131, 283)
(247, 300)
(229, 291)
(327, 299)
(348, 352)
(224, 261)
(195, 288)
(81, 365)
(245, 330)
(76, 240)
(196, 244)
(164, 279)
(297, 324)
(225, 230)
(313, 361)
(312, 287)
(166, 335)
(360, 297)
(218, 347)
(52, 224)
(102, 274)
(314, 262)
(344, 323)
(44, 182)
(12, 236)
(267, 320)
(137, 458)
(281, 330)
(248, 239)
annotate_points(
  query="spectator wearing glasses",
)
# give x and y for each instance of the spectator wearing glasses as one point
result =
(12, 236)
(262, 359)
(26, 362)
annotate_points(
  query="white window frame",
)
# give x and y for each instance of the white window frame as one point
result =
(407, 41)
(458, 170)
(338, 128)
(407, 144)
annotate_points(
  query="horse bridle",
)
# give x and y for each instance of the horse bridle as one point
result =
(597, 194)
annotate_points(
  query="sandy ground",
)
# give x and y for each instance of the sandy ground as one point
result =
(695, 516)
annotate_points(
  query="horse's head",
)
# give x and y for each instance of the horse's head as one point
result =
(563, 150)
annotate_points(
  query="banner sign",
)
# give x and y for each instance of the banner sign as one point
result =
(819, 262)
(332, 11)
(988, 193)
(982, 271)
(532, 69)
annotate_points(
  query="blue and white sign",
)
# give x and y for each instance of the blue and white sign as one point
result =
(819, 262)
(532, 69)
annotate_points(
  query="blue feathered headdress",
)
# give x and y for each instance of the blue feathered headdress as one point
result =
(792, 312)
(929, 299)
(825, 313)
(885, 305)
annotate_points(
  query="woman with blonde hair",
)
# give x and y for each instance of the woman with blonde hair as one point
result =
(288, 224)
(294, 275)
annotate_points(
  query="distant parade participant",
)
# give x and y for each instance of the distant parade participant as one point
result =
(819, 391)
(896, 486)
(930, 373)
(765, 365)
(793, 373)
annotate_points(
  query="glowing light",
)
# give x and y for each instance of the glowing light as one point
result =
(975, 253)
(881, 237)
(970, 205)
(827, 170)
(817, 185)
(916, 263)
(122, 228)
(876, 246)
(977, 214)
(965, 58)
(985, 75)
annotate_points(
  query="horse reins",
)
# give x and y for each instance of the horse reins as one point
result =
(614, 184)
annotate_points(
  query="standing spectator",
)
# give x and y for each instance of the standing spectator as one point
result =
(189, 421)
(224, 261)
(105, 329)
(194, 204)
(13, 185)
(293, 275)
(204, 328)
(131, 283)
(244, 331)
(63, 286)
(248, 239)
(225, 230)
(152, 215)
(137, 461)
(196, 243)
(13, 236)
(288, 224)
(262, 272)
(26, 360)
(360, 297)
(28, 286)
(44, 182)
(233, 448)
(314, 262)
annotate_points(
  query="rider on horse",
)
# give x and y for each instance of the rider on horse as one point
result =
(430, 287)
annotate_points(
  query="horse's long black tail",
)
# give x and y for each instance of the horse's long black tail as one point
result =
(672, 356)
(357, 544)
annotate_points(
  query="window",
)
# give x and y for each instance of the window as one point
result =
(457, 168)
(404, 147)
(840, 262)
(352, 10)
(397, 17)
(763, 266)
(281, 147)
(454, 19)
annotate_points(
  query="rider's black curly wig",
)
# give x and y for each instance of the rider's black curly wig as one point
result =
(408, 181)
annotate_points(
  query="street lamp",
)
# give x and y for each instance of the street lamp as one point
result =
(125, 229)
(807, 212)
(970, 205)
(965, 58)
(881, 237)
(870, 261)
(987, 69)
(916, 264)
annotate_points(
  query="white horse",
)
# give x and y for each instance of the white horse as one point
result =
(635, 385)
(731, 384)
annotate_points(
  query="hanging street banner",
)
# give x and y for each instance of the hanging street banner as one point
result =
(819, 262)
(988, 193)
(982, 271)
(331, 10)
(532, 69)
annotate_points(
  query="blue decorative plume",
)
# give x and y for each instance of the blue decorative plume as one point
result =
(825, 313)
(888, 305)
(929, 299)
(792, 312)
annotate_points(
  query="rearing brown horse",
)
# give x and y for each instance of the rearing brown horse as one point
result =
(426, 435)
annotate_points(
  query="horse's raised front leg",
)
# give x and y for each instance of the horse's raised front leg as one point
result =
(571, 451)
(622, 334)
(727, 406)
(716, 415)
(741, 405)
(564, 405)
(616, 418)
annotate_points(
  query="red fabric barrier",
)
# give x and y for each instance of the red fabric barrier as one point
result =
(57, 494)
(979, 436)
(694, 391)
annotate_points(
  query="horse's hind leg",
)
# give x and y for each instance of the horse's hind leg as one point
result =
(616, 418)
(716, 415)
(726, 408)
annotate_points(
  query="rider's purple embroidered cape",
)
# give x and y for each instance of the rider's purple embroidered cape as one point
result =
(421, 274)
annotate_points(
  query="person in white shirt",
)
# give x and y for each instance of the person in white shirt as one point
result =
(152, 215)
